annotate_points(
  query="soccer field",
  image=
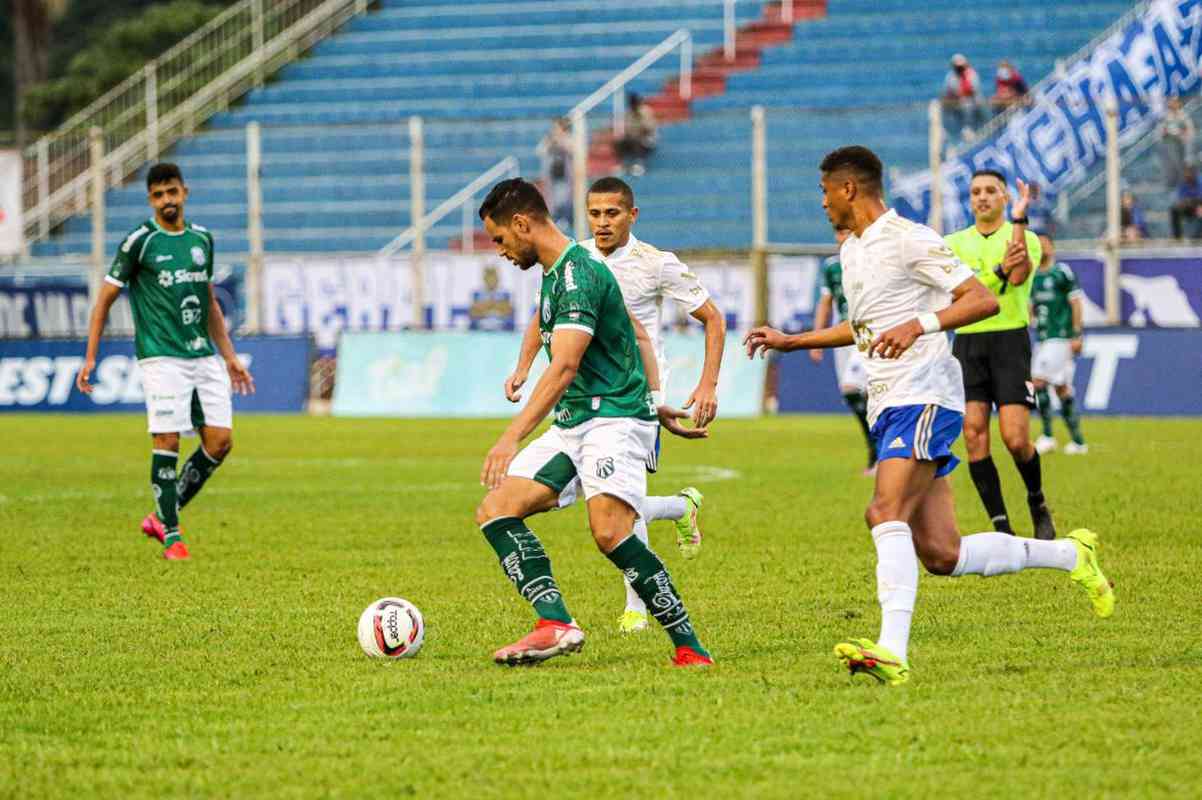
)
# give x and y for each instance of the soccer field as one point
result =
(238, 674)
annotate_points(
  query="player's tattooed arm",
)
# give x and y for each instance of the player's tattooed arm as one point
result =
(704, 399)
(567, 351)
(100, 314)
(240, 377)
(765, 338)
(530, 343)
(971, 302)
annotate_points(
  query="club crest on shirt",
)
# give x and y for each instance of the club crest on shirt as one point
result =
(546, 309)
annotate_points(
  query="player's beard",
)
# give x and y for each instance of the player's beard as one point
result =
(170, 213)
(527, 259)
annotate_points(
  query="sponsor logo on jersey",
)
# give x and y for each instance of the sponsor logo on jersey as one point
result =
(190, 310)
(198, 256)
(568, 278)
(897, 443)
(168, 278)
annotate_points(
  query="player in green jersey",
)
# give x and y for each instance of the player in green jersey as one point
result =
(849, 363)
(167, 263)
(1059, 312)
(599, 383)
(995, 353)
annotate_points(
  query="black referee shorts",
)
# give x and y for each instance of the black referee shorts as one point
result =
(997, 367)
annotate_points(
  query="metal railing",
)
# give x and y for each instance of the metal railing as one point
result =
(170, 98)
(507, 167)
(1003, 119)
(613, 88)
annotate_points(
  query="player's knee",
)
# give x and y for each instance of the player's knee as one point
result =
(220, 447)
(1039, 383)
(496, 505)
(940, 561)
(166, 441)
(880, 511)
(608, 538)
(1064, 392)
(1017, 442)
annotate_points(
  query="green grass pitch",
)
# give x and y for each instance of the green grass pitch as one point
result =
(238, 674)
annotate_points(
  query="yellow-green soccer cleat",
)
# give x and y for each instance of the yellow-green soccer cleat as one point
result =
(1088, 575)
(688, 534)
(632, 621)
(864, 655)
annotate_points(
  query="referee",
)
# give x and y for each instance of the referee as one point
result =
(995, 353)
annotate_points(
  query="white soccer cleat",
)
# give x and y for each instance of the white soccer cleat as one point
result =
(1045, 445)
(1074, 449)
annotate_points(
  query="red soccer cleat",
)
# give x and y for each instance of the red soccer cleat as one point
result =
(688, 657)
(549, 638)
(153, 528)
(177, 552)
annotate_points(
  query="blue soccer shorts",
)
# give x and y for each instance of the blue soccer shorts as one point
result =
(924, 432)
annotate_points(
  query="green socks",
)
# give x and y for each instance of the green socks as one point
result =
(197, 469)
(526, 564)
(166, 497)
(1045, 409)
(650, 579)
(1068, 410)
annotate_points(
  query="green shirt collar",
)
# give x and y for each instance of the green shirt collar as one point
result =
(562, 256)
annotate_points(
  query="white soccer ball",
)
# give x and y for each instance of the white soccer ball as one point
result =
(391, 628)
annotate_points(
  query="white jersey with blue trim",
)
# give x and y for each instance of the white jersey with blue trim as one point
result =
(895, 271)
(646, 275)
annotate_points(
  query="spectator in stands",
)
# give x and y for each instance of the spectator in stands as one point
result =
(556, 152)
(962, 99)
(1187, 204)
(1133, 225)
(1176, 142)
(1009, 87)
(639, 137)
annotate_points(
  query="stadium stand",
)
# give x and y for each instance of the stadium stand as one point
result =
(335, 171)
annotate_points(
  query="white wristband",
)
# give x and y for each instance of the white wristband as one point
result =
(929, 322)
(657, 397)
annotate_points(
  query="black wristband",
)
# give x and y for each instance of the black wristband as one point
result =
(1020, 221)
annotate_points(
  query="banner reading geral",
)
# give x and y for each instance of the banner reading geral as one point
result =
(12, 227)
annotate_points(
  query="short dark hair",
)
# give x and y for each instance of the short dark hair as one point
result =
(988, 173)
(513, 196)
(162, 173)
(859, 160)
(612, 185)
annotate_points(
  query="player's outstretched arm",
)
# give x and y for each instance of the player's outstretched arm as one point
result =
(669, 417)
(517, 379)
(971, 302)
(567, 350)
(240, 377)
(704, 399)
(100, 314)
(765, 338)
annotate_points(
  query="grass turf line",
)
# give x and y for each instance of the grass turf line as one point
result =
(238, 674)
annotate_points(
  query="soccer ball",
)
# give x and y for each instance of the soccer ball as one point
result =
(391, 628)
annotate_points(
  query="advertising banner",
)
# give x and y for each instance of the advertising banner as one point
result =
(12, 225)
(482, 292)
(1121, 371)
(1058, 139)
(418, 374)
(40, 375)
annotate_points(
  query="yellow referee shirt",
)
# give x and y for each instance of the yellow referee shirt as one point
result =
(983, 254)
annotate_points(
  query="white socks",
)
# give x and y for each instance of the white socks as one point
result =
(673, 507)
(896, 583)
(633, 601)
(996, 553)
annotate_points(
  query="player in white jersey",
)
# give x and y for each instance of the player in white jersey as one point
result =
(904, 287)
(647, 275)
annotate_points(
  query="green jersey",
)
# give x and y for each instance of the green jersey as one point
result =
(1051, 294)
(168, 276)
(832, 284)
(580, 293)
(983, 254)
